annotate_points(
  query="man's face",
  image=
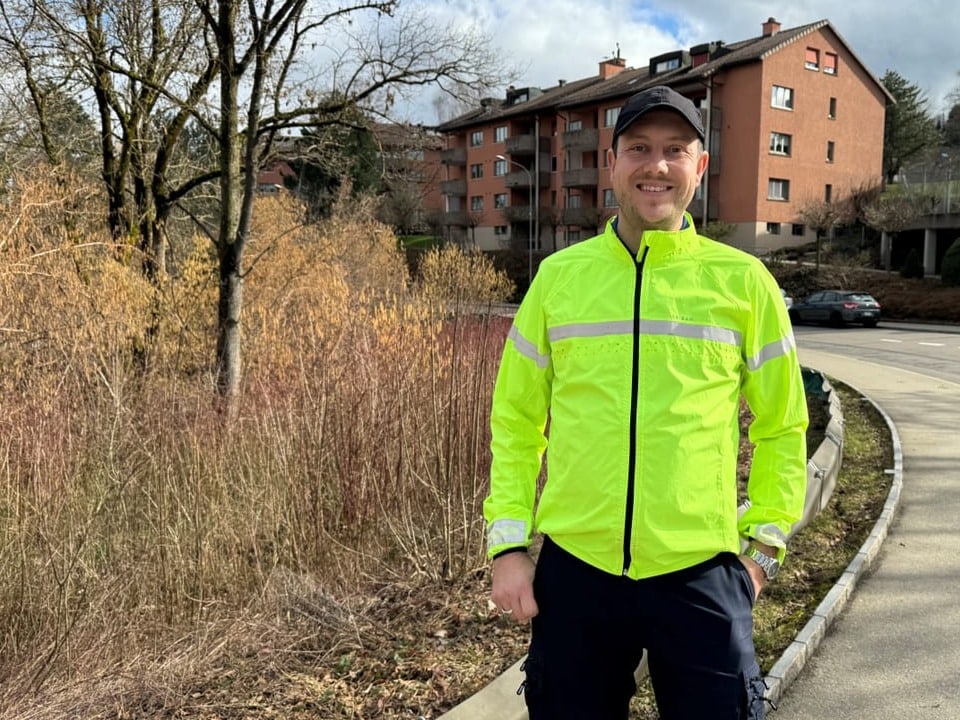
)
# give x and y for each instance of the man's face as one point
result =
(655, 171)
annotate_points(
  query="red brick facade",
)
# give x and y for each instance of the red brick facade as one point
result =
(774, 145)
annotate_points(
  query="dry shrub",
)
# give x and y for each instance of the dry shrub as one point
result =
(133, 522)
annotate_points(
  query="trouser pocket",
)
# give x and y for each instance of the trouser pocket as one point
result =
(753, 706)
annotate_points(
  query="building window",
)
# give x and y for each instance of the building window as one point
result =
(476, 203)
(476, 138)
(609, 199)
(830, 147)
(827, 193)
(782, 97)
(500, 134)
(573, 201)
(476, 171)
(610, 116)
(665, 65)
(832, 112)
(499, 168)
(813, 59)
(773, 228)
(500, 230)
(830, 63)
(780, 143)
(573, 236)
(797, 230)
(778, 189)
(575, 125)
(500, 201)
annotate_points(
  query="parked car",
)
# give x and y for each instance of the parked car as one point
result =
(837, 307)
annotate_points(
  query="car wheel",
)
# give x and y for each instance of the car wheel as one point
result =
(869, 323)
(794, 317)
(836, 319)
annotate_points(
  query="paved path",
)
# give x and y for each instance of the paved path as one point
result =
(894, 653)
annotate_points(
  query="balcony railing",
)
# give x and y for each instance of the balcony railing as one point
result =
(454, 187)
(517, 213)
(454, 156)
(585, 139)
(584, 177)
(582, 217)
(460, 218)
(526, 145)
(519, 179)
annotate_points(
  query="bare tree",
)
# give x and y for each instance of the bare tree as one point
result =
(823, 217)
(244, 73)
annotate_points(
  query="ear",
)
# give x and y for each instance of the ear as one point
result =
(702, 162)
(611, 161)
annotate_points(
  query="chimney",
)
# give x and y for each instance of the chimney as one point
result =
(611, 67)
(771, 27)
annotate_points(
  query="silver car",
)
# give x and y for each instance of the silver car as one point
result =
(837, 307)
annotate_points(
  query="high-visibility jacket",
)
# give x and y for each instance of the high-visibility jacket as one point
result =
(639, 363)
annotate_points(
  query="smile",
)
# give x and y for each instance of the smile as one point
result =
(654, 188)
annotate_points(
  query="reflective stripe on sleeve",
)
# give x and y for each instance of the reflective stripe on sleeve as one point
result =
(527, 348)
(783, 346)
(506, 532)
(770, 535)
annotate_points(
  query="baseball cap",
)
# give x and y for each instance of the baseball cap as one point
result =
(657, 98)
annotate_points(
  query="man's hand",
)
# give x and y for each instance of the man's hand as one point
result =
(513, 585)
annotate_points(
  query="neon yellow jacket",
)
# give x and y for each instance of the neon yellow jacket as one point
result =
(639, 364)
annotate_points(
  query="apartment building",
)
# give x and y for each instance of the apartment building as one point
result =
(793, 117)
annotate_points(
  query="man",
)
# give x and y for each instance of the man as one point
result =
(638, 345)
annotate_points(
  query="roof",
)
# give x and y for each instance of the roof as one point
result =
(500, 109)
(630, 80)
(406, 135)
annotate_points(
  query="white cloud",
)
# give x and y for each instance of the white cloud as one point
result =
(566, 39)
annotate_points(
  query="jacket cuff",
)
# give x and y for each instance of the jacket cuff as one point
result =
(501, 553)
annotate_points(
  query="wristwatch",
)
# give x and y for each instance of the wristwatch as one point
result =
(770, 565)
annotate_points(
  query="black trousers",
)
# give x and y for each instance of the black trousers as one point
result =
(588, 638)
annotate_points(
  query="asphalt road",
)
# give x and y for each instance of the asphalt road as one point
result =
(894, 651)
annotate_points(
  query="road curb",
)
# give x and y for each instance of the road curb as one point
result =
(786, 669)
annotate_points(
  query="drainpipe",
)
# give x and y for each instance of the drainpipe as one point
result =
(706, 175)
(536, 174)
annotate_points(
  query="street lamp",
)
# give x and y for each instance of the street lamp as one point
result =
(529, 216)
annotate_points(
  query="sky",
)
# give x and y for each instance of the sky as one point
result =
(549, 40)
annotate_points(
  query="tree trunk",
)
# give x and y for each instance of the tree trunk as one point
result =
(229, 241)
(228, 324)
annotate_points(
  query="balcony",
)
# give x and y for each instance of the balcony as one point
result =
(517, 213)
(519, 179)
(459, 218)
(581, 140)
(454, 156)
(526, 145)
(582, 217)
(454, 187)
(584, 177)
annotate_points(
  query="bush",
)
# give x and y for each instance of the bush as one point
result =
(912, 267)
(950, 270)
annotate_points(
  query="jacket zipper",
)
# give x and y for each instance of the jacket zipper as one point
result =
(634, 392)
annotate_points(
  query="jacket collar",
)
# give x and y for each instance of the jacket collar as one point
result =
(661, 243)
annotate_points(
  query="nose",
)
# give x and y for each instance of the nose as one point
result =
(655, 162)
